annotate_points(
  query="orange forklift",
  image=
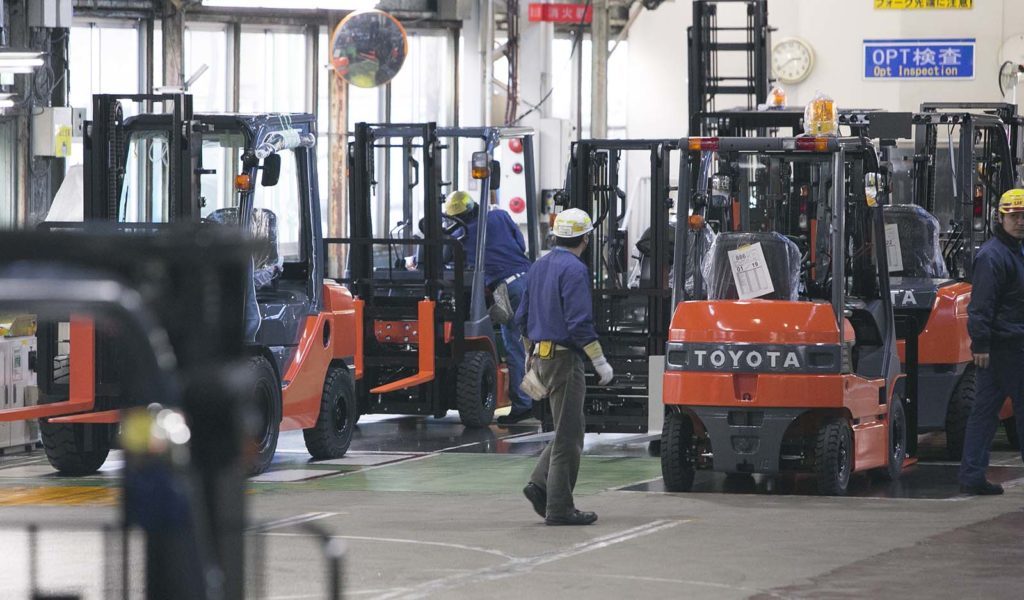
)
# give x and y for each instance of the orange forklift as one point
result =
(149, 171)
(782, 357)
(965, 156)
(424, 330)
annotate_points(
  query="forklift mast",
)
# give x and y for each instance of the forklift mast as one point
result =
(632, 293)
(106, 146)
(707, 41)
(981, 166)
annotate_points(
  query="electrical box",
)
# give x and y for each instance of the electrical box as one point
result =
(50, 13)
(555, 138)
(17, 390)
(52, 131)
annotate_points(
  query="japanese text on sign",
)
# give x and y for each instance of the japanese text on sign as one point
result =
(915, 4)
(919, 59)
(750, 272)
(560, 13)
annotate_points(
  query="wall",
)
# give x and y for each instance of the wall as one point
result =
(836, 30)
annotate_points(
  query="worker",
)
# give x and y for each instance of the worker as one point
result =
(995, 321)
(557, 316)
(505, 262)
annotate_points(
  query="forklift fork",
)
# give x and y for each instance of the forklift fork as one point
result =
(425, 352)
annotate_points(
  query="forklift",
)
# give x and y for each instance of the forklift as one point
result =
(965, 156)
(166, 166)
(426, 339)
(630, 261)
(782, 356)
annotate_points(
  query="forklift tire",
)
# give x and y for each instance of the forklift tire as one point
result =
(332, 434)
(677, 464)
(959, 410)
(833, 457)
(265, 396)
(476, 389)
(75, 449)
(1010, 427)
(897, 440)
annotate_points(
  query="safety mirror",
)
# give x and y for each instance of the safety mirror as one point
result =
(368, 48)
(271, 170)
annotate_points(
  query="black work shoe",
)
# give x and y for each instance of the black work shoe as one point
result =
(514, 417)
(537, 497)
(577, 517)
(985, 488)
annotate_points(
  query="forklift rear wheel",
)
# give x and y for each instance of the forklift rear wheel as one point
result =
(833, 457)
(332, 434)
(476, 390)
(75, 449)
(265, 396)
(897, 440)
(677, 461)
(1010, 427)
(959, 410)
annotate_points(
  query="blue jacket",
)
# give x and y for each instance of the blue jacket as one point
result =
(996, 312)
(505, 253)
(557, 304)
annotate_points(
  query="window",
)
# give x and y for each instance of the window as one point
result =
(421, 91)
(273, 71)
(207, 45)
(145, 192)
(221, 153)
(103, 57)
(284, 200)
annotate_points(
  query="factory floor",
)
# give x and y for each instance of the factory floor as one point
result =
(426, 508)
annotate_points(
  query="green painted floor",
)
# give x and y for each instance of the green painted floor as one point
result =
(475, 473)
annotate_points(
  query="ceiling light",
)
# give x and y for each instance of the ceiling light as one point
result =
(294, 4)
(19, 61)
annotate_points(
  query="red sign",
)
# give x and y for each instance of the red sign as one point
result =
(560, 13)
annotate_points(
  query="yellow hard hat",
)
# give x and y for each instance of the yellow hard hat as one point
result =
(573, 222)
(457, 203)
(1012, 201)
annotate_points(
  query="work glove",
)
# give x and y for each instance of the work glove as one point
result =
(605, 373)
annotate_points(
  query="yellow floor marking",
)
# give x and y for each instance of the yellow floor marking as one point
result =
(59, 496)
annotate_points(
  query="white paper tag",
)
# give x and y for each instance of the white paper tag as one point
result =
(893, 252)
(750, 272)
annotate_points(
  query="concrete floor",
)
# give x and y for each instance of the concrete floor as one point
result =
(426, 508)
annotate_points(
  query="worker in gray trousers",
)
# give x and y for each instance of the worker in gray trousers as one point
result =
(556, 316)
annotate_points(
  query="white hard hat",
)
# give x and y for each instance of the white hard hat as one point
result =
(573, 222)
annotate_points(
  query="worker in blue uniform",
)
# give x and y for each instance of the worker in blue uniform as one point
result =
(556, 317)
(505, 262)
(995, 321)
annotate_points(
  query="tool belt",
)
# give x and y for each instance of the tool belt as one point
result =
(546, 349)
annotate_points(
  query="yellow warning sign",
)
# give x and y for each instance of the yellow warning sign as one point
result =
(62, 142)
(923, 4)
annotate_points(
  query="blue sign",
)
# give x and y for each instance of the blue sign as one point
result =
(919, 59)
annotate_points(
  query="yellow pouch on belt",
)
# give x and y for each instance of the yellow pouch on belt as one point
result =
(545, 349)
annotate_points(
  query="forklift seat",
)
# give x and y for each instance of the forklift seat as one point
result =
(781, 254)
(919, 241)
(267, 259)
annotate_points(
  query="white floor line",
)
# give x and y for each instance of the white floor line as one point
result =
(291, 521)
(524, 565)
(724, 586)
(491, 551)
